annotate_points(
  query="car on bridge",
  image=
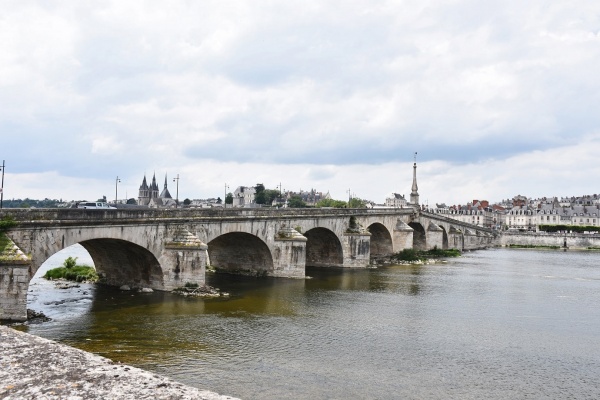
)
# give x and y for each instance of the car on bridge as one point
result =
(98, 205)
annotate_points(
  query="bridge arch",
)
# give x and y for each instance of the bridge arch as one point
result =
(240, 253)
(323, 248)
(419, 236)
(120, 262)
(381, 240)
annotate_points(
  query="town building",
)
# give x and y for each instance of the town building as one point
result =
(244, 196)
(310, 198)
(477, 212)
(580, 211)
(396, 200)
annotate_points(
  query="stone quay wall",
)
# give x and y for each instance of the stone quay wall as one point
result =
(573, 240)
(35, 368)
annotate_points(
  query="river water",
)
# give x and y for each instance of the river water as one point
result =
(492, 324)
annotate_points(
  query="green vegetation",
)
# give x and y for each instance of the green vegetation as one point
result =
(5, 243)
(573, 228)
(353, 203)
(296, 202)
(8, 250)
(265, 196)
(28, 203)
(229, 198)
(73, 272)
(331, 203)
(6, 223)
(532, 246)
(412, 255)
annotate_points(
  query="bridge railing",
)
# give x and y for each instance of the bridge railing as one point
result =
(453, 221)
(39, 215)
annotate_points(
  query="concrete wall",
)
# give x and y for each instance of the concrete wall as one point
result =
(574, 240)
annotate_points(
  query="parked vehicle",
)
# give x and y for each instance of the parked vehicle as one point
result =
(98, 205)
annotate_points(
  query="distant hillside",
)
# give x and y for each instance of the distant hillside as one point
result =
(29, 203)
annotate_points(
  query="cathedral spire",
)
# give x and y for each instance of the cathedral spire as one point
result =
(165, 181)
(414, 194)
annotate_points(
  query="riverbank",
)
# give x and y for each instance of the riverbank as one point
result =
(32, 367)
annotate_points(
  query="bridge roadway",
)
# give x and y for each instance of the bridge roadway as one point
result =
(166, 248)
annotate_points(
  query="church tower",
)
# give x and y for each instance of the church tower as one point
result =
(154, 188)
(165, 193)
(143, 194)
(414, 194)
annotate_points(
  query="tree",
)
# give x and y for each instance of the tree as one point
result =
(296, 202)
(70, 262)
(187, 202)
(219, 201)
(330, 203)
(355, 202)
(259, 194)
(131, 201)
(270, 195)
(229, 198)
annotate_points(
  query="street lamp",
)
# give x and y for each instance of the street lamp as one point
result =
(225, 198)
(2, 187)
(116, 186)
(177, 192)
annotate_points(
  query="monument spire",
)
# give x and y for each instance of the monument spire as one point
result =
(414, 194)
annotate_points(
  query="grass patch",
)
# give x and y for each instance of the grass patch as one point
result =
(412, 255)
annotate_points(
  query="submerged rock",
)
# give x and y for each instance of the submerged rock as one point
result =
(200, 291)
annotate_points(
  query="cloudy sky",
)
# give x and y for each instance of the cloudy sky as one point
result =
(498, 98)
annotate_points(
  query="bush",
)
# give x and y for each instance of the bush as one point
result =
(407, 255)
(77, 273)
(422, 255)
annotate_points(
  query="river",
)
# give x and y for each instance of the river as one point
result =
(492, 324)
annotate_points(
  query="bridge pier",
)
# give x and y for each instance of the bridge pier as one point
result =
(402, 236)
(14, 282)
(15, 274)
(289, 254)
(435, 237)
(455, 239)
(357, 249)
(470, 240)
(183, 261)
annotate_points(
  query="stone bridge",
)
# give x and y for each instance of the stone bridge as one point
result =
(165, 249)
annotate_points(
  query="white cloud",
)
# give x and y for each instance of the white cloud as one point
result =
(313, 93)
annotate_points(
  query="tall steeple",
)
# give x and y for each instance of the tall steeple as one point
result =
(414, 194)
(153, 187)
